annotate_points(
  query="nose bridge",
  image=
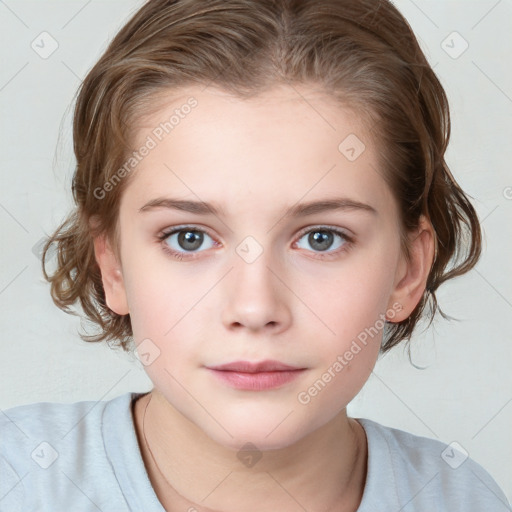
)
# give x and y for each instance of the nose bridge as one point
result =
(252, 262)
(254, 295)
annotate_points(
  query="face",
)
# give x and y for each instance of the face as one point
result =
(257, 275)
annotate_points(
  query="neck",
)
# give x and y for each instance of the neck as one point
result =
(326, 470)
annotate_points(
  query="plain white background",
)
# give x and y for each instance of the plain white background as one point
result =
(464, 392)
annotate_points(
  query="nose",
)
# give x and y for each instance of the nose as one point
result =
(255, 296)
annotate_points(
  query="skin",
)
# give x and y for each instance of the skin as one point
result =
(256, 158)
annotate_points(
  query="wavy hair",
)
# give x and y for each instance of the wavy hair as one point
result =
(362, 53)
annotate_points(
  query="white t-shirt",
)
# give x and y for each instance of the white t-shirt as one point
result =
(85, 456)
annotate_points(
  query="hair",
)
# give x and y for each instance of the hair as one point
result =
(361, 53)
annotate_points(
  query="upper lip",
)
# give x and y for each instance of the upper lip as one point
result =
(248, 367)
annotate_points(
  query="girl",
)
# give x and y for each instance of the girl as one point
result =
(262, 208)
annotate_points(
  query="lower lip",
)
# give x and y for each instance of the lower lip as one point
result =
(256, 381)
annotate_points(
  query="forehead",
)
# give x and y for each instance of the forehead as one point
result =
(305, 111)
(279, 146)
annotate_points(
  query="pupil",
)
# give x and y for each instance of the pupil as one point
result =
(321, 239)
(190, 237)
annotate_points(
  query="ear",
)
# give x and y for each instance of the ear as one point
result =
(412, 274)
(111, 275)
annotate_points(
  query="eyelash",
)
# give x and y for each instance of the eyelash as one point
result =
(348, 241)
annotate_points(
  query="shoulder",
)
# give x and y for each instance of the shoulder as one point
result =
(46, 446)
(47, 423)
(420, 473)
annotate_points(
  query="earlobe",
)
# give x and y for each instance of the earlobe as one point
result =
(111, 276)
(412, 274)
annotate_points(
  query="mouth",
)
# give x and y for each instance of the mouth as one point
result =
(260, 376)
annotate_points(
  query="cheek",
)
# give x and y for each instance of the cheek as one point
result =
(165, 312)
(159, 293)
(345, 355)
(351, 300)
(350, 310)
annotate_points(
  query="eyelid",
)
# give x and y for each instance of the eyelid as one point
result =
(348, 237)
(326, 227)
(194, 227)
(164, 233)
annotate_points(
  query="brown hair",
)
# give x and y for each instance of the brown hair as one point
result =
(362, 53)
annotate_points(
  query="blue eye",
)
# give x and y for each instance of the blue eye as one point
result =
(183, 240)
(325, 240)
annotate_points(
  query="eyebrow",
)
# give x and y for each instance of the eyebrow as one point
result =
(299, 210)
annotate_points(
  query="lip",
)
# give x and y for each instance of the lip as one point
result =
(268, 365)
(260, 376)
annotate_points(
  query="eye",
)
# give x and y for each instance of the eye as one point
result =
(181, 240)
(324, 239)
